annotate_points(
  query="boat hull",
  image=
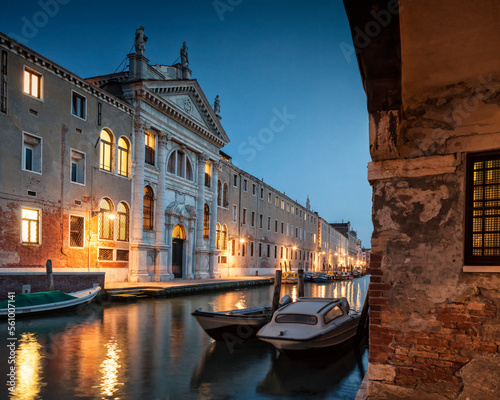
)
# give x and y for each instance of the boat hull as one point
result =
(329, 340)
(82, 298)
(235, 324)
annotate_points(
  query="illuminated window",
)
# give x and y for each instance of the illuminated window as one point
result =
(148, 209)
(30, 228)
(269, 197)
(106, 157)
(282, 204)
(218, 245)
(150, 142)
(179, 232)
(78, 105)
(106, 219)
(77, 167)
(32, 153)
(76, 231)
(123, 222)
(224, 237)
(33, 83)
(482, 230)
(206, 221)
(123, 152)
(208, 173)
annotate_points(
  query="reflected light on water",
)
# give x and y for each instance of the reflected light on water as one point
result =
(343, 290)
(294, 293)
(28, 368)
(241, 304)
(109, 369)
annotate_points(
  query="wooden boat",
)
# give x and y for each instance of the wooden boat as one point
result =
(233, 324)
(29, 304)
(311, 324)
(289, 277)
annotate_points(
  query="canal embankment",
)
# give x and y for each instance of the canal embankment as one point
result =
(181, 287)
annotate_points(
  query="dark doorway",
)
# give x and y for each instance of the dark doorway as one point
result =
(177, 250)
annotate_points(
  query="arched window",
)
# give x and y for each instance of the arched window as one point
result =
(123, 151)
(106, 157)
(217, 237)
(148, 208)
(106, 219)
(219, 193)
(225, 200)
(178, 164)
(223, 237)
(123, 222)
(206, 221)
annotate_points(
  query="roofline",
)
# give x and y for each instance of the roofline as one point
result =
(56, 69)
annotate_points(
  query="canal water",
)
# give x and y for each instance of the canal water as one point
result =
(155, 350)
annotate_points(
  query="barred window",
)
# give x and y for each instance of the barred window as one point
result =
(482, 236)
(123, 222)
(121, 255)
(219, 193)
(218, 237)
(223, 237)
(106, 219)
(105, 254)
(76, 231)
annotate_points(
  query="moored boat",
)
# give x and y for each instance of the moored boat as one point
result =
(29, 304)
(289, 277)
(311, 324)
(228, 325)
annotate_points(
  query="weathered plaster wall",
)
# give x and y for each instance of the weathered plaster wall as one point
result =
(434, 329)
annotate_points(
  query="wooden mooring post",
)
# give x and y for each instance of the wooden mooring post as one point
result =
(277, 291)
(301, 283)
(48, 268)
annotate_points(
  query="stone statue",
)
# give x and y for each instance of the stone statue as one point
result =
(184, 55)
(140, 41)
(217, 105)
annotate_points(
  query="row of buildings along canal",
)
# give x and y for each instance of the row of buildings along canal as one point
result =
(124, 173)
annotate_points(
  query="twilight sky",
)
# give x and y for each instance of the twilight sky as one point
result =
(264, 58)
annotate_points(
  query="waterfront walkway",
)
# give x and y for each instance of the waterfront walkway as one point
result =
(181, 287)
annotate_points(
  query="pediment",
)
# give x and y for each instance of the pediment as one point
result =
(187, 97)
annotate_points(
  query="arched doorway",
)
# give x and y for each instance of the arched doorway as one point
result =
(178, 239)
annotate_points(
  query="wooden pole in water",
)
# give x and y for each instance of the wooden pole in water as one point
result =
(301, 282)
(277, 290)
(48, 267)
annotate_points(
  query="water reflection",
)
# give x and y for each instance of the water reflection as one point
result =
(109, 369)
(28, 365)
(155, 349)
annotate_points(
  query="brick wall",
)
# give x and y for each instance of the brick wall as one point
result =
(67, 282)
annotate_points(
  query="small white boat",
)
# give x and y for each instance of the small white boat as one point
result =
(28, 304)
(234, 324)
(311, 323)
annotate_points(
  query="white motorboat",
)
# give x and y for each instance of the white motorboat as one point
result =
(29, 304)
(311, 323)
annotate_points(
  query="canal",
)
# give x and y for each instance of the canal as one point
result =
(155, 350)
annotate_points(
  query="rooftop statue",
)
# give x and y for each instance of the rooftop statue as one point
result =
(184, 55)
(140, 41)
(217, 105)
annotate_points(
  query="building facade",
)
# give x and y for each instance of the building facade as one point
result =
(431, 74)
(123, 173)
